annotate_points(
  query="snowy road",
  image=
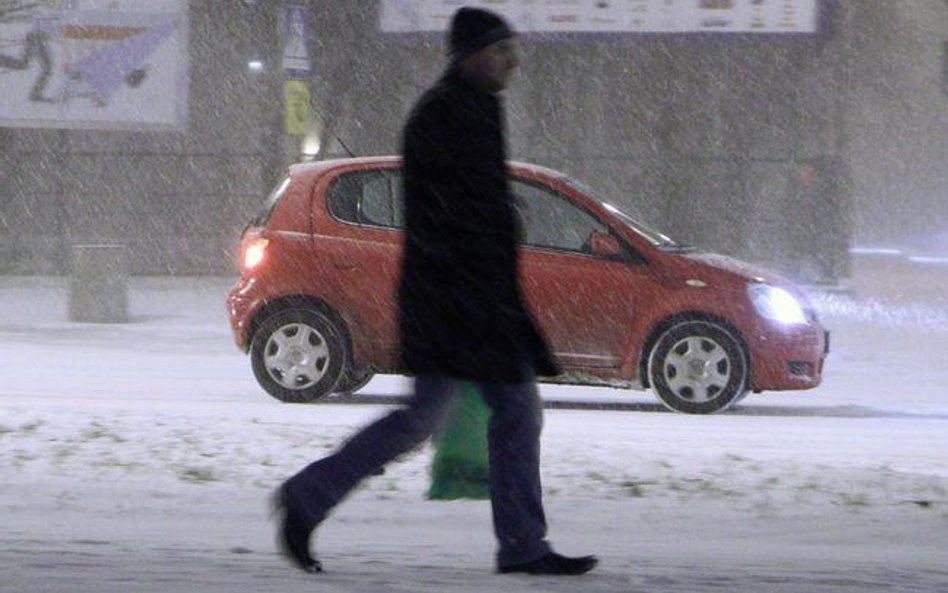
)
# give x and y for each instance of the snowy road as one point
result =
(139, 457)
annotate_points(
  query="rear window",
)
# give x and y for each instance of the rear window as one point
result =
(371, 198)
(263, 215)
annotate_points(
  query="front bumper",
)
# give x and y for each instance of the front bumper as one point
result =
(789, 359)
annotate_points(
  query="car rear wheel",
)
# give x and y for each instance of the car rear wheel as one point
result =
(298, 355)
(698, 367)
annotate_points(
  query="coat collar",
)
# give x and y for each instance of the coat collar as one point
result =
(454, 78)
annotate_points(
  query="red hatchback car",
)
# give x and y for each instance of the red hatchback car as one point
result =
(620, 303)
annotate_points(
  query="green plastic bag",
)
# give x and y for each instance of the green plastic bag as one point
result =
(460, 465)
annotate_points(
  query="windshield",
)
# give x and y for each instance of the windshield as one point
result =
(656, 238)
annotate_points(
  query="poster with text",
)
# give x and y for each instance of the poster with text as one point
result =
(104, 64)
(613, 16)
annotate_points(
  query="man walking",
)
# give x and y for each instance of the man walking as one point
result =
(461, 314)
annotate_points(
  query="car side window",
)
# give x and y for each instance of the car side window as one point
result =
(550, 221)
(371, 198)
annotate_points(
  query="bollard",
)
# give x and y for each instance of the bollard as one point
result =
(98, 288)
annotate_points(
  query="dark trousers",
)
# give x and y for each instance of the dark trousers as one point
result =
(513, 446)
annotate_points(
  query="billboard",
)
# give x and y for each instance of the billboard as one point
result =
(614, 16)
(103, 64)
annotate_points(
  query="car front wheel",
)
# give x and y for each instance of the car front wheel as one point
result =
(698, 367)
(298, 355)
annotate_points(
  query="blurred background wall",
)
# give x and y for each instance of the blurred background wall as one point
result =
(785, 151)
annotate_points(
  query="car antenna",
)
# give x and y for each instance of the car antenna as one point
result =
(343, 144)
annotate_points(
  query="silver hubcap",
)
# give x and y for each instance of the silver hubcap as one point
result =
(296, 356)
(697, 369)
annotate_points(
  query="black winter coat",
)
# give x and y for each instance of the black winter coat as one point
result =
(460, 308)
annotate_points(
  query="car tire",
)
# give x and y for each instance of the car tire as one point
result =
(298, 355)
(354, 380)
(698, 367)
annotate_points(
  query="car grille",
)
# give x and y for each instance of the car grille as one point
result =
(800, 368)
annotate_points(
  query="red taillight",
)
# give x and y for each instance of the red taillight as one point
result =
(254, 252)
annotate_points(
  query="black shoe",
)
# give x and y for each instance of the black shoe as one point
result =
(553, 564)
(293, 535)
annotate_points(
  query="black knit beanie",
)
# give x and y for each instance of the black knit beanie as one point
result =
(473, 29)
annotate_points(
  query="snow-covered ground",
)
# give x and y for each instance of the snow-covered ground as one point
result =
(140, 457)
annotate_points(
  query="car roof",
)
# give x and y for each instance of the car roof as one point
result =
(319, 167)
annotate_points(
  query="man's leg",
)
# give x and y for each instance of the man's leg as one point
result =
(516, 493)
(514, 451)
(307, 497)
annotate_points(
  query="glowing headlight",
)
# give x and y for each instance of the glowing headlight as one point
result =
(776, 304)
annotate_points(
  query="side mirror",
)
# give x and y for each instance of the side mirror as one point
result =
(604, 244)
